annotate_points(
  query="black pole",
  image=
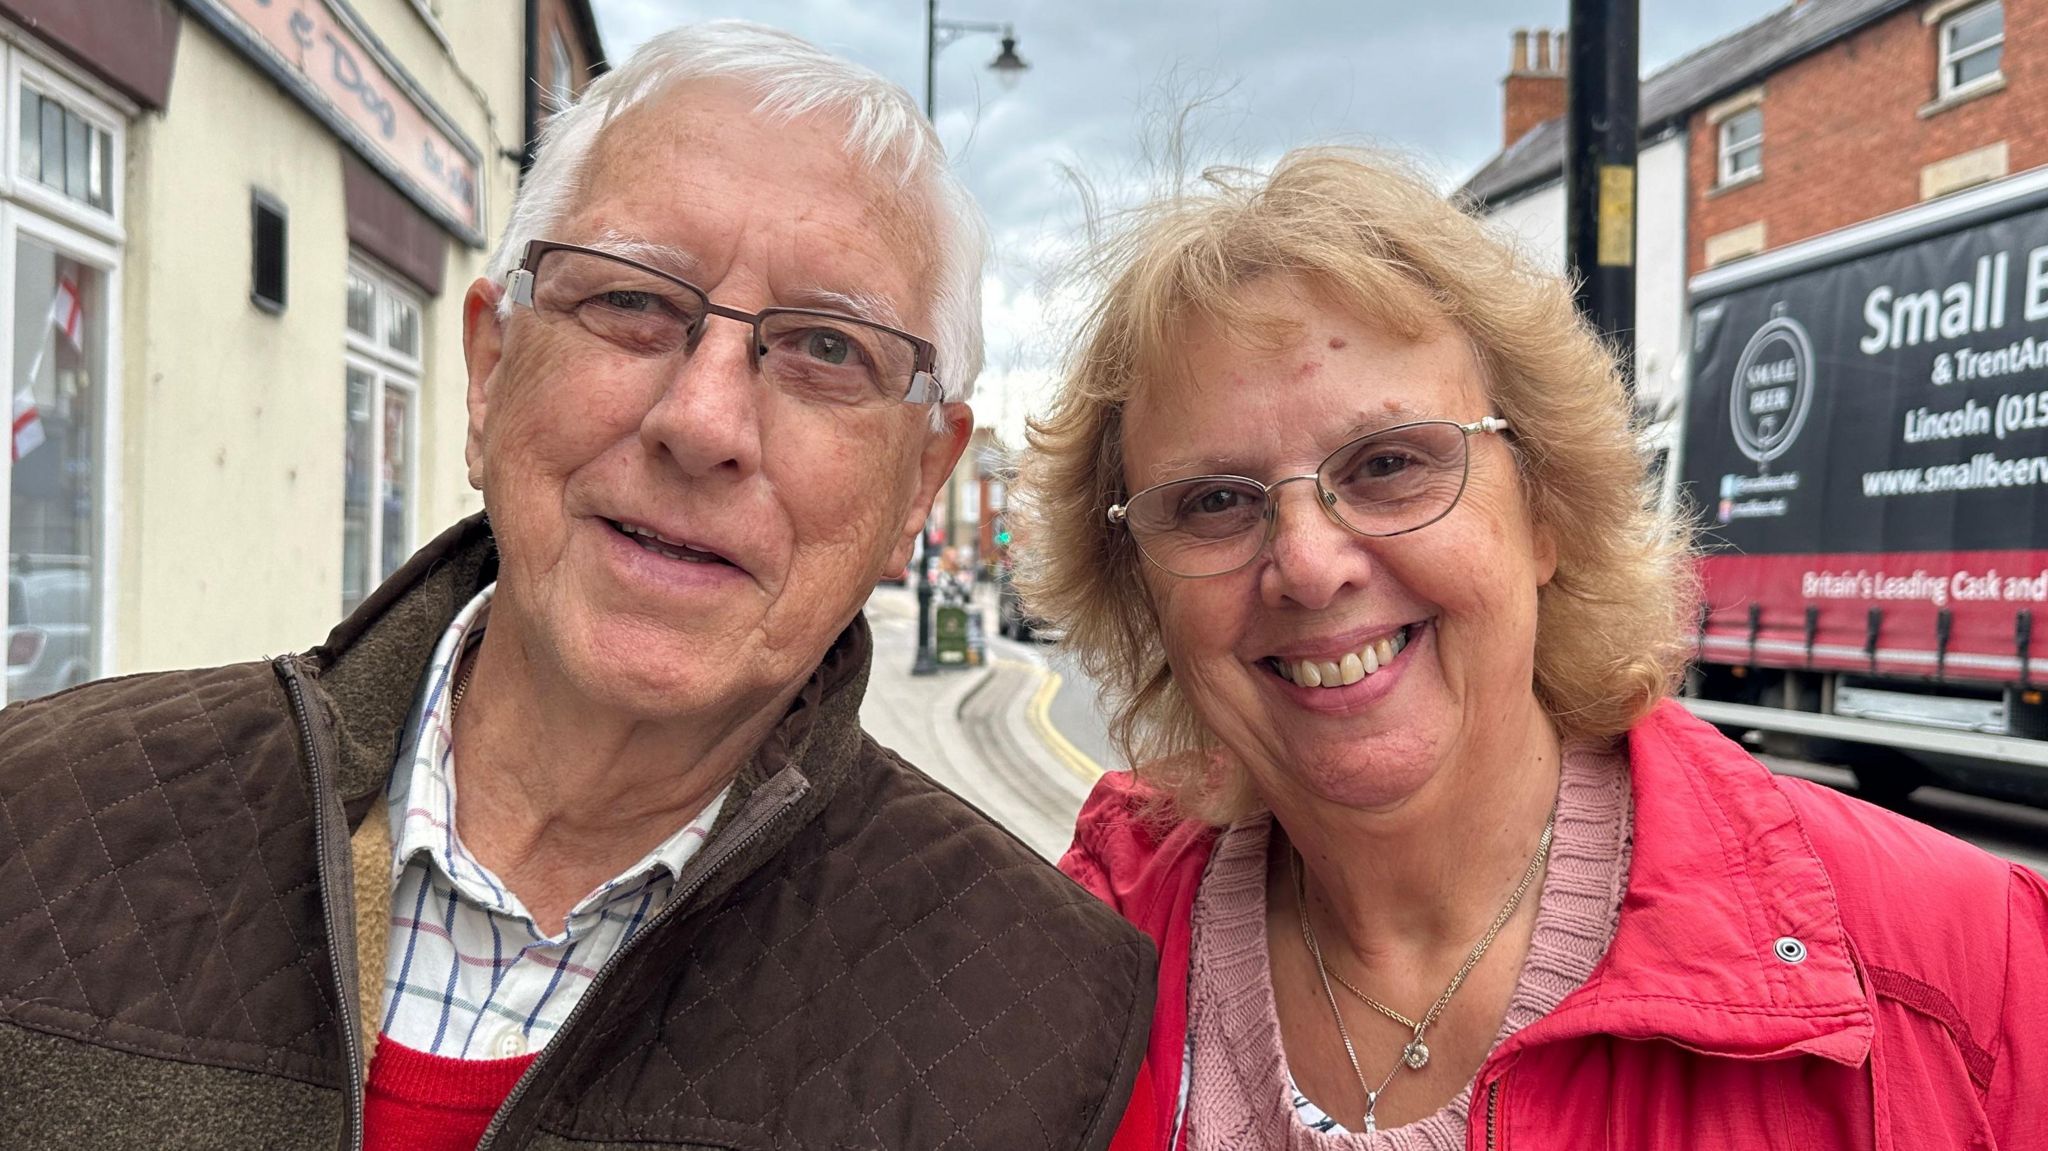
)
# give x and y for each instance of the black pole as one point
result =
(927, 660)
(529, 112)
(931, 57)
(1600, 169)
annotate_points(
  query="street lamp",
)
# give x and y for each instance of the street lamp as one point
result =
(1008, 67)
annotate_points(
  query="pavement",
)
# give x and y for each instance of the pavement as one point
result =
(986, 733)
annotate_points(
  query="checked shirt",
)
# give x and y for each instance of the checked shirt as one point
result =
(469, 974)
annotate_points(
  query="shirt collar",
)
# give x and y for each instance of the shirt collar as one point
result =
(421, 799)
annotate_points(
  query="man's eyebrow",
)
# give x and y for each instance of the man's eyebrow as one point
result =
(666, 257)
(870, 306)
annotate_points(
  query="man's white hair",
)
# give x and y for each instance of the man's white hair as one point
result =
(886, 134)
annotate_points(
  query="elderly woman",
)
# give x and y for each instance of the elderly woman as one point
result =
(1343, 508)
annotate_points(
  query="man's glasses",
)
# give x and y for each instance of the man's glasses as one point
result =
(1384, 484)
(819, 357)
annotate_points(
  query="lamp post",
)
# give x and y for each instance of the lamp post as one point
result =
(1007, 66)
(1600, 138)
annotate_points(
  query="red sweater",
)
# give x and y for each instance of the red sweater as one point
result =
(421, 1102)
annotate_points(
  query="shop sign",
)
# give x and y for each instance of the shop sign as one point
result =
(320, 52)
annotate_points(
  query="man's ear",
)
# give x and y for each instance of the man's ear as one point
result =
(483, 345)
(941, 451)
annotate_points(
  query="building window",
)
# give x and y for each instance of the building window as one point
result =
(1972, 46)
(381, 397)
(65, 152)
(54, 486)
(561, 72)
(1742, 145)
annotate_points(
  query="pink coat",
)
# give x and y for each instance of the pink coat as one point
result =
(1916, 1018)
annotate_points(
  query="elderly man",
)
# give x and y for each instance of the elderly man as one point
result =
(570, 835)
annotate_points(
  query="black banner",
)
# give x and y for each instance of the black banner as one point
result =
(1893, 403)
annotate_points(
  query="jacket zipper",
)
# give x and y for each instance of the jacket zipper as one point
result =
(1492, 1114)
(338, 925)
(769, 801)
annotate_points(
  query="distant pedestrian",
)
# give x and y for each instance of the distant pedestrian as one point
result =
(570, 835)
(1343, 508)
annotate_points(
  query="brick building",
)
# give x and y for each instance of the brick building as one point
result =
(1900, 103)
(1822, 115)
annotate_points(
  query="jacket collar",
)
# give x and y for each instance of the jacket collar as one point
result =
(367, 674)
(1720, 872)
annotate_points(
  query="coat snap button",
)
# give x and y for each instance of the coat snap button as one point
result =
(1790, 950)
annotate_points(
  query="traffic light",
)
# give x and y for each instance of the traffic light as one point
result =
(1003, 538)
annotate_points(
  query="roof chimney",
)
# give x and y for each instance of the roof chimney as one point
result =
(1534, 89)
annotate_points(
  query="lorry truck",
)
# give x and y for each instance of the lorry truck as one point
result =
(1865, 449)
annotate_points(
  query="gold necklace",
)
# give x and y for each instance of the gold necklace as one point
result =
(1415, 1053)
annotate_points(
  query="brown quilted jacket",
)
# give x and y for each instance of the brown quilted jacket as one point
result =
(856, 959)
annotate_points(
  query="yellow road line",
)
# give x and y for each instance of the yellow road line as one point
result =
(1039, 712)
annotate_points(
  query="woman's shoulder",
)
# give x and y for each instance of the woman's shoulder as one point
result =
(1902, 885)
(1129, 849)
(1908, 895)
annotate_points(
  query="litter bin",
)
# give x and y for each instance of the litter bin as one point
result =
(949, 627)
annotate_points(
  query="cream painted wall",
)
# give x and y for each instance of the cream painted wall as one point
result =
(230, 513)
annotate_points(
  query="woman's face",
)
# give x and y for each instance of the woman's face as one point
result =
(1457, 598)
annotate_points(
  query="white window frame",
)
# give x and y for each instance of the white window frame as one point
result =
(1947, 57)
(87, 236)
(16, 224)
(1725, 153)
(22, 69)
(389, 371)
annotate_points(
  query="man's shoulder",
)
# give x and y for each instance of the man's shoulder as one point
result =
(901, 964)
(169, 713)
(910, 816)
(163, 815)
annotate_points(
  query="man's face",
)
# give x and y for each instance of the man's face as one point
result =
(772, 514)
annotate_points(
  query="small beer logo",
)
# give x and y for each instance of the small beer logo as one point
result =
(1773, 389)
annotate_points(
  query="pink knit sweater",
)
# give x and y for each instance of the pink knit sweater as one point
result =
(1241, 1093)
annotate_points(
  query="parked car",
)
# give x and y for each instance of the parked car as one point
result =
(49, 631)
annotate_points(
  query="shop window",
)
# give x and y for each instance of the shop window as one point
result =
(1742, 145)
(1972, 47)
(65, 152)
(54, 483)
(381, 397)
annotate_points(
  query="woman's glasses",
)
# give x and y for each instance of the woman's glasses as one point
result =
(1383, 484)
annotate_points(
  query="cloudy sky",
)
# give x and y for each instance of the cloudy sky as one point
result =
(1107, 77)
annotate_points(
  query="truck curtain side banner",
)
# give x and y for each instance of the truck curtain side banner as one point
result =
(1867, 443)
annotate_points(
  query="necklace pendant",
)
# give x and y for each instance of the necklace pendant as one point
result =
(1415, 1055)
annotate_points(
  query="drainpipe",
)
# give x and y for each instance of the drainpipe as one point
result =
(530, 89)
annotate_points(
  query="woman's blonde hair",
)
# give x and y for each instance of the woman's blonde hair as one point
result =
(1378, 241)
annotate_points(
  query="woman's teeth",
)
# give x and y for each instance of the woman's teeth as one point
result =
(1354, 666)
